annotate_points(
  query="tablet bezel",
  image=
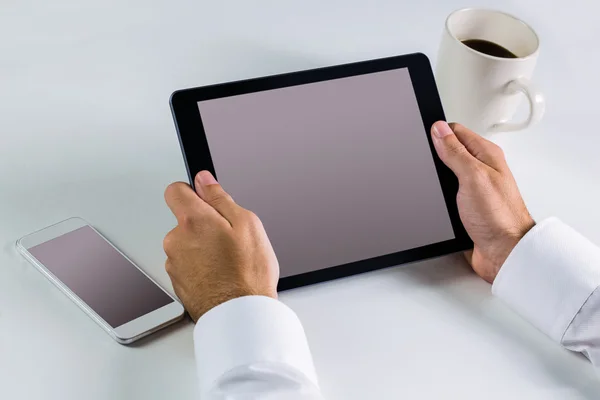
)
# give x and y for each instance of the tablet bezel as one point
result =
(196, 153)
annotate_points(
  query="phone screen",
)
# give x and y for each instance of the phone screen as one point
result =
(100, 276)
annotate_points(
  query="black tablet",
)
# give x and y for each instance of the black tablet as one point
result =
(337, 162)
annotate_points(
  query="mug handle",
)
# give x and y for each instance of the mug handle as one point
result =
(537, 106)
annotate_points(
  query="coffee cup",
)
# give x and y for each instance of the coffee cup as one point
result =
(484, 68)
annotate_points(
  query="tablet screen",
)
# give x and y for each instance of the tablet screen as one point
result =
(338, 171)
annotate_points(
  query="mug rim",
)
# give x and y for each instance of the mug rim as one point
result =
(449, 31)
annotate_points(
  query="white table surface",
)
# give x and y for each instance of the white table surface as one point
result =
(85, 130)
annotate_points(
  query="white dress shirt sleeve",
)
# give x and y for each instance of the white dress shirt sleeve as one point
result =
(253, 347)
(552, 278)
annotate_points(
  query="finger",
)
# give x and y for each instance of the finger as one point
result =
(212, 193)
(485, 151)
(186, 205)
(176, 288)
(469, 256)
(171, 242)
(170, 268)
(451, 151)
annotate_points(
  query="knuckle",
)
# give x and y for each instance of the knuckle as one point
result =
(173, 189)
(219, 197)
(188, 220)
(457, 149)
(496, 151)
(169, 267)
(179, 292)
(479, 177)
(168, 242)
(253, 219)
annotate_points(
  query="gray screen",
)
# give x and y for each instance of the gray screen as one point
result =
(107, 282)
(338, 171)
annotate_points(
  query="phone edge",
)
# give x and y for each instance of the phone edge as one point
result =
(79, 302)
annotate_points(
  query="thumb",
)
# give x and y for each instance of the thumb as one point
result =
(212, 193)
(451, 151)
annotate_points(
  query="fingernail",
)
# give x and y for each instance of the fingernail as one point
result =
(205, 178)
(442, 129)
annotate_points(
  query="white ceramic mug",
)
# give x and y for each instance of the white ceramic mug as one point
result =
(482, 91)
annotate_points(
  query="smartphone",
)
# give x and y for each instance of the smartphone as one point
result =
(100, 279)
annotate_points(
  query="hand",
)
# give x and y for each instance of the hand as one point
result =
(489, 203)
(218, 251)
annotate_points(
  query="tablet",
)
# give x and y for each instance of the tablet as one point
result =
(337, 162)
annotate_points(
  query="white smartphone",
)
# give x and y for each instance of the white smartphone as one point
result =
(100, 279)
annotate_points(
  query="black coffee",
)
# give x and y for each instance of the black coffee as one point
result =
(491, 48)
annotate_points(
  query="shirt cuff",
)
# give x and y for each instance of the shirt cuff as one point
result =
(549, 275)
(249, 330)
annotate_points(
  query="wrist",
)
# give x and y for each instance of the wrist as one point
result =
(211, 300)
(510, 240)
